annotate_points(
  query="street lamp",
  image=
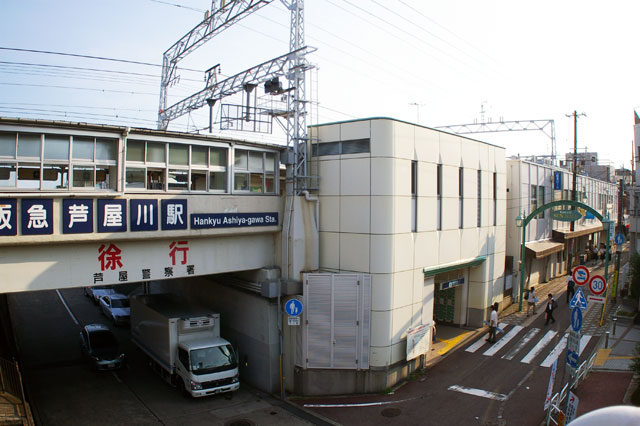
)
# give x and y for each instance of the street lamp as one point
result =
(520, 224)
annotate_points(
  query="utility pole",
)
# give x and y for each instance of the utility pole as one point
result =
(619, 230)
(574, 194)
(417, 105)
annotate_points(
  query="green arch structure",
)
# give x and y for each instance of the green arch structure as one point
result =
(605, 224)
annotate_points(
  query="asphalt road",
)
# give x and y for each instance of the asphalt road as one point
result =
(479, 384)
(65, 390)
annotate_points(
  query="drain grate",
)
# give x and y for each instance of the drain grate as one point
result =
(239, 422)
(391, 412)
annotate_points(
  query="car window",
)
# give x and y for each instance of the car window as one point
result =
(120, 303)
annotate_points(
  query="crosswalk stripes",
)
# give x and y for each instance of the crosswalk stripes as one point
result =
(530, 334)
(503, 341)
(521, 344)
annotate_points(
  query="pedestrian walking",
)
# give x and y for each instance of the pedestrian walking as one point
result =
(571, 288)
(531, 300)
(493, 324)
(548, 310)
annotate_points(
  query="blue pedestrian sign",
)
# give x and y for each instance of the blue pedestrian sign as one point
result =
(619, 239)
(572, 358)
(293, 307)
(578, 300)
(576, 319)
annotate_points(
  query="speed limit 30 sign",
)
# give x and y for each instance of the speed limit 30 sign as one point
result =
(597, 285)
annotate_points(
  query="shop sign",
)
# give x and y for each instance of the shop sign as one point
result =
(565, 215)
(452, 283)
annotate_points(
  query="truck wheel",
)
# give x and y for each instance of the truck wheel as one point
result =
(182, 389)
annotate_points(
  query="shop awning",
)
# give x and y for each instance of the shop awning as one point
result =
(463, 263)
(578, 231)
(540, 249)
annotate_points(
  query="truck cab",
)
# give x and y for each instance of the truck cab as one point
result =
(207, 367)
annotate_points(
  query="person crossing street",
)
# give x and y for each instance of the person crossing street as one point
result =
(549, 307)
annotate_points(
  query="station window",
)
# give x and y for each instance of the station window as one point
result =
(254, 171)
(57, 161)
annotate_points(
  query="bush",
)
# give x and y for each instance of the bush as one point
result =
(634, 290)
(635, 361)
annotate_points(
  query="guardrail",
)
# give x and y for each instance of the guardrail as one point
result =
(10, 380)
(556, 404)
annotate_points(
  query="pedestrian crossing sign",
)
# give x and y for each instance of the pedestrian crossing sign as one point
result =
(578, 300)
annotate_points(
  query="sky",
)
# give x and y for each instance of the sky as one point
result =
(434, 63)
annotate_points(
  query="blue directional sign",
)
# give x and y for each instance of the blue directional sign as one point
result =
(572, 358)
(576, 319)
(619, 239)
(578, 300)
(293, 307)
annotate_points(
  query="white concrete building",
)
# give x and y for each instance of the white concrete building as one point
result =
(422, 212)
(550, 243)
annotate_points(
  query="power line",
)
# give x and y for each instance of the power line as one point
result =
(77, 88)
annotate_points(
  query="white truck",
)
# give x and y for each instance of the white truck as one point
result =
(184, 345)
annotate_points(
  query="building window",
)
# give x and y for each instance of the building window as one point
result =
(461, 197)
(57, 162)
(414, 196)
(479, 221)
(354, 146)
(533, 196)
(439, 197)
(495, 198)
(541, 201)
(254, 171)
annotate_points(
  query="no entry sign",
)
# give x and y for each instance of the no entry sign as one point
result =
(580, 275)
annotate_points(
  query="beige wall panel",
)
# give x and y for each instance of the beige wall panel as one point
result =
(401, 322)
(404, 140)
(355, 130)
(402, 289)
(382, 214)
(450, 181)
(402, 177)
(382, 138)
(380, 356)
(427, 145)
(381, 328)
(469, 246)
(485, 245)
(354, 252)
(427, 179)
(501, 238)
(403, 252)
(450, 149)
(399, 352)
(449, 246)
(330, 133)
(483, 157)
(450, 208)
(381, 292)
(330, 181)
(427, 214)
(355, 214)
(329, 250)
(426, 249)
(382, 254)
(329, 214)
(401, 214)
(355, 177)
(382, 176)
(500, 162)
(469, 152)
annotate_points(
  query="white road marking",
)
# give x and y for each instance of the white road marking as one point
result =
(555, 353)
(480, 342)
(539, 346)
(64, 302)
(361, 404)
(530, 334)
(503, 341)
(584, 341)
(479, 392)
(116, 376)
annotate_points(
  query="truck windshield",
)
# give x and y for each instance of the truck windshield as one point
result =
(211, 360)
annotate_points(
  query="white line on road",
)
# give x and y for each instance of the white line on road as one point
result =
(503, 341)
(116, 376)
(539, 346)
(530, 334)
(64, 302)
(555, 353)
(479, 392)
(480, 342)
(361, 404)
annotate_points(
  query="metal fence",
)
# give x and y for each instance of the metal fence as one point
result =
(556, 405)
(10, 379)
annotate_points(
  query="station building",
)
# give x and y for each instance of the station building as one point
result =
(552, 246)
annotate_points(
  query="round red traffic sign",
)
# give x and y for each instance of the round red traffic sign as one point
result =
(580, 275)
(597, 285)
